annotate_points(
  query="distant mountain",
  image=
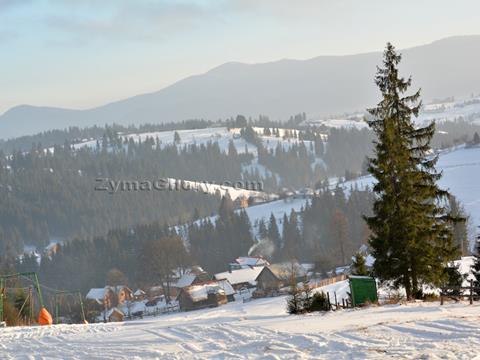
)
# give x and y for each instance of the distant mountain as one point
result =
(319, 86)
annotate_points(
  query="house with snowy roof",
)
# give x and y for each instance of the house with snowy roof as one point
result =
(139, 295)
(248, 261)
(195, 276)
(200, 296)
(115, 315)
(101, 297)
(241, 278)
(227, 289)
(109, 296)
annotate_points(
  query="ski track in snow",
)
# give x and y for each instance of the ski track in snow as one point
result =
(261, 330)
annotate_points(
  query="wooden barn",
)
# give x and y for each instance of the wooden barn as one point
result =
(276, 276)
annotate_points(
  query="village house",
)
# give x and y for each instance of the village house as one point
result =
(101, 298)
(52, 248)
(123, 293)
(181, 279)
(200, 296)
(241, 202)
(115, 315)
(108, 297)
(241, 278)
(139, 295)
(195, 275)
(274, 277)
(227, 289)
(243, 262)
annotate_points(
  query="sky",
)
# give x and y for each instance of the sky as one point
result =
(81, 54)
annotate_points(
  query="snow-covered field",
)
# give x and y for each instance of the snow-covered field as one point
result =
(262, 330)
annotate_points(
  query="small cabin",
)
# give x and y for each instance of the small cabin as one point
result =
(139, 295)
(115, 315)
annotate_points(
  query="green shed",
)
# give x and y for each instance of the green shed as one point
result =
(362, 289)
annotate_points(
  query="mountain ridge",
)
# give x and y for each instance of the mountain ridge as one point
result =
(320, 86)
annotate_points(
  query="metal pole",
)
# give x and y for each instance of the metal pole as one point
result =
(39, 291)
(55, 299)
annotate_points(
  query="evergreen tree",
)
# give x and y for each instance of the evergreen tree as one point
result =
(359, 265)
(262, 229)
(453, 280)
(176, 138)
(411, 230)
(273, 233)
(476, 139)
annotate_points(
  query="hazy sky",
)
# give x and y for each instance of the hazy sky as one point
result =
(83, 53)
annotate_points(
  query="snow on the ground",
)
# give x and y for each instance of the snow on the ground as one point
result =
(468, 109)
(261, 329)
(340, 123)
(461, 171)
(278, 208)
(220, 189)
(262, 211)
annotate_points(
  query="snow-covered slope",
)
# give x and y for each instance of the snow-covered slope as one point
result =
(262, 330)
(263, 211)
(461, 173)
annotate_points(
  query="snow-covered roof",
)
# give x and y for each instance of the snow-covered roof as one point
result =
(226, 287)
(283, 271)
(97, 293)
(200, 292)
(114, 310)
(251, 261)
(245, 275)
(185, 280)
(179, 272)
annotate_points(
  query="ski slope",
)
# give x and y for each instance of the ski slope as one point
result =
(261, 329)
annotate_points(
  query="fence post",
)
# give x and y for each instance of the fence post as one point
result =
(336, 303)
(328, 299)
(471, 291)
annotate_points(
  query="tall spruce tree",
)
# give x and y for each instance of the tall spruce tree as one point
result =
(411, 229)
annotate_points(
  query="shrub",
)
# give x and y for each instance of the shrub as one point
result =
(319, 302)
